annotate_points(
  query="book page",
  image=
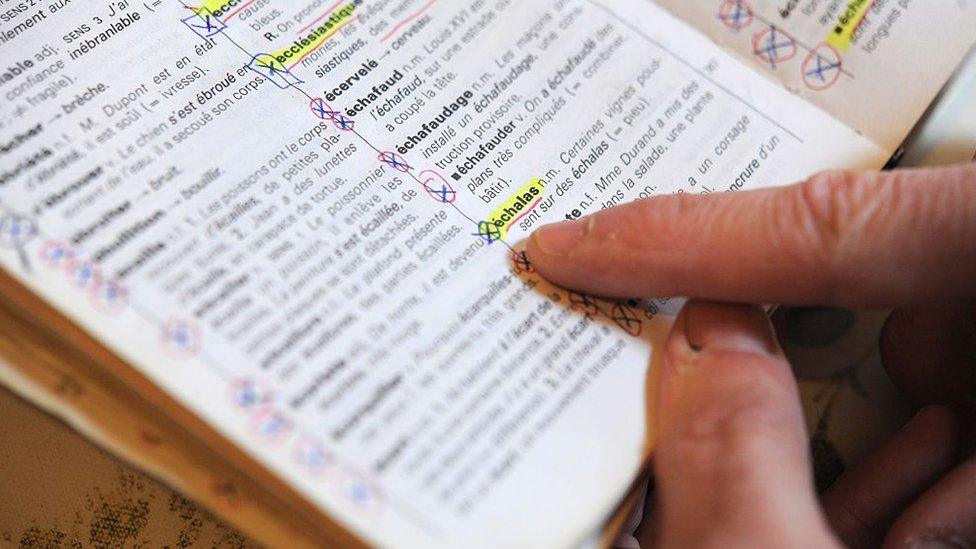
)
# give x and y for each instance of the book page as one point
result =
(303, 221)
(874, 64)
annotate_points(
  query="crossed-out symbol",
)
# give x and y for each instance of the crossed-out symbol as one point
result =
(85, 274)
(437, 187)
(56, 254)
(626, 318)
(202, 22)
(272, 425)
(822, 68)
(110, 295)
(312, 455)
(112, 290)
(394, 161)
(207, 26)
(584, 304)
(181, 337)
(322, 110)
(360, 492)
(272, 65)
(773, 46)
(522, 263)
(735, 14)
(274, 70)
(16, 230)
(444, 195)
(247, 397)
(489, 232)
(344, 123)
(819, 71)
(249, 393)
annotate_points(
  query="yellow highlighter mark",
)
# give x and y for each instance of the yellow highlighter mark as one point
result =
(518, 206)
(850, 19)
(217, 8)
(312, 38)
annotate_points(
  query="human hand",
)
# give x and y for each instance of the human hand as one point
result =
(731, 459)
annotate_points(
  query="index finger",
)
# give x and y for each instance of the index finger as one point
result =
(843, 238)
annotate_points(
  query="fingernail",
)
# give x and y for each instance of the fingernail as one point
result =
(561, 238)
(720, 327)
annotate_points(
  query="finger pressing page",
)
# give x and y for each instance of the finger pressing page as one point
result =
(731, 460)
(863, 504)
(842, 238)
(945, 515)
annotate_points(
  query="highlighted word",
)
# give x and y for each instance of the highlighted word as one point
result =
(220, 8)
(268, 67)
(517, 207)
(850, 19)
(313, 39)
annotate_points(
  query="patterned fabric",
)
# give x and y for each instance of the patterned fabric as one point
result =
(58, 490)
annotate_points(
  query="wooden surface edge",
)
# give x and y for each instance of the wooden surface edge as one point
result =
(60, 368)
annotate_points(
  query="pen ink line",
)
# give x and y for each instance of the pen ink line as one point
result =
(367, 141)
(240, 47)
(634, 28)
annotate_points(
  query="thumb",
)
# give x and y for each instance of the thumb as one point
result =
(731, 460)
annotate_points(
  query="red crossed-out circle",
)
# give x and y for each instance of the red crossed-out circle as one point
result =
(311, 454)
(774, 46)
(438, 187)
(56, 254)
(271, 426)
(109, 296)
(822, 68)
(359, 489)
(249, 393)
(736, 14)
(181, 338)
